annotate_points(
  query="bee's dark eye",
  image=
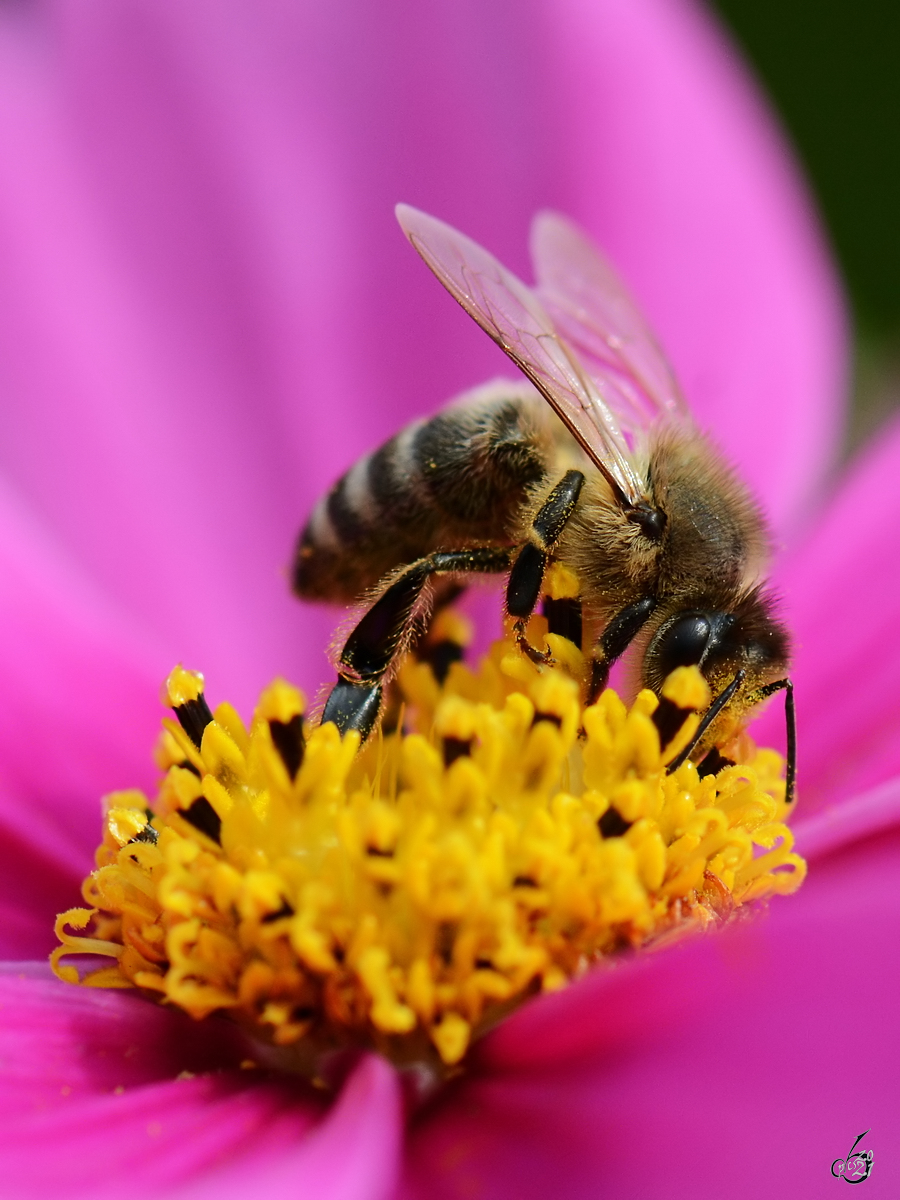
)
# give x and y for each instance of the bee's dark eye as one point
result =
(683, 642)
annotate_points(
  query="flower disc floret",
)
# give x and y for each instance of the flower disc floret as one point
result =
(408, 896)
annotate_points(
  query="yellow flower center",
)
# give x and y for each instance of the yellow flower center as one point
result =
(407, 896)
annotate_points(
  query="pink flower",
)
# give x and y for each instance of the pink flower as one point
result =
(208, 312)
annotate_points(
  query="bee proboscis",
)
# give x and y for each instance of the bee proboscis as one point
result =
(594, 463)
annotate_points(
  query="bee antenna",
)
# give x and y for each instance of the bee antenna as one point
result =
(708, 717)
(790, 722)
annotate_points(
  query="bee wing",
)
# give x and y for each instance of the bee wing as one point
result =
(511, 313)
(591, 307)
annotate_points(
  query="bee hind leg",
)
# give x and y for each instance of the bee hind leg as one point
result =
(387, 629)
(436, 637)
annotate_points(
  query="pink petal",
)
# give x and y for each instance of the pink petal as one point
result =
(92, 1106)
(78, 691)
(137, 340)
(751, 1059)
(209, 310)
(353, 1154)
(41, 869)
(842, 601)
(852, 820)
(90, 1040)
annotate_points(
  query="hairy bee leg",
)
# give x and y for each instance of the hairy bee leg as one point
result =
(527, 575)
(372, 647)
(437, 638)
(615, 640)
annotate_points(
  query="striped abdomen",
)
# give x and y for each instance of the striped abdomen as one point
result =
(458, 479)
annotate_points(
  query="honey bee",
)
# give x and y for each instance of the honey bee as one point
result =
(594, 464)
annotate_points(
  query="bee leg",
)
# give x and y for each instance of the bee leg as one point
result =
(527, 576)
(437, 637)
(353, 706)
(384, 632)
(615, 640)
(542, 658)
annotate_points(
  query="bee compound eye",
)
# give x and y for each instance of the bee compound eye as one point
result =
(683, 642)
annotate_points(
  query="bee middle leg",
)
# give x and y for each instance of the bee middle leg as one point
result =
(527, 576)
(386, 630)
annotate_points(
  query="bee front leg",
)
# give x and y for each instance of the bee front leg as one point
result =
(386, 631)
(527, 575)
(615, 640)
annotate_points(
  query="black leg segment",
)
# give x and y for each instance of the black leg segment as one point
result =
(386, 629)
(553, 514)
(370, 648)
(527, 575)
(615, 640)
(525, 581)
(353, 706)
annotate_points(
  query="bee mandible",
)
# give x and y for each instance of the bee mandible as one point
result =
(595, 463)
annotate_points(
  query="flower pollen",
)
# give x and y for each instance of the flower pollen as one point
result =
(407, 896)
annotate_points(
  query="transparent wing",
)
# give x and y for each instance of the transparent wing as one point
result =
(593, 310)
(510, 313)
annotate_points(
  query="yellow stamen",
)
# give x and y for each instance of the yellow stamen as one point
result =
(407, 896)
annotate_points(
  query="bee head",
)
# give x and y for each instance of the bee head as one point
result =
(742, 651)
(746, 636)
